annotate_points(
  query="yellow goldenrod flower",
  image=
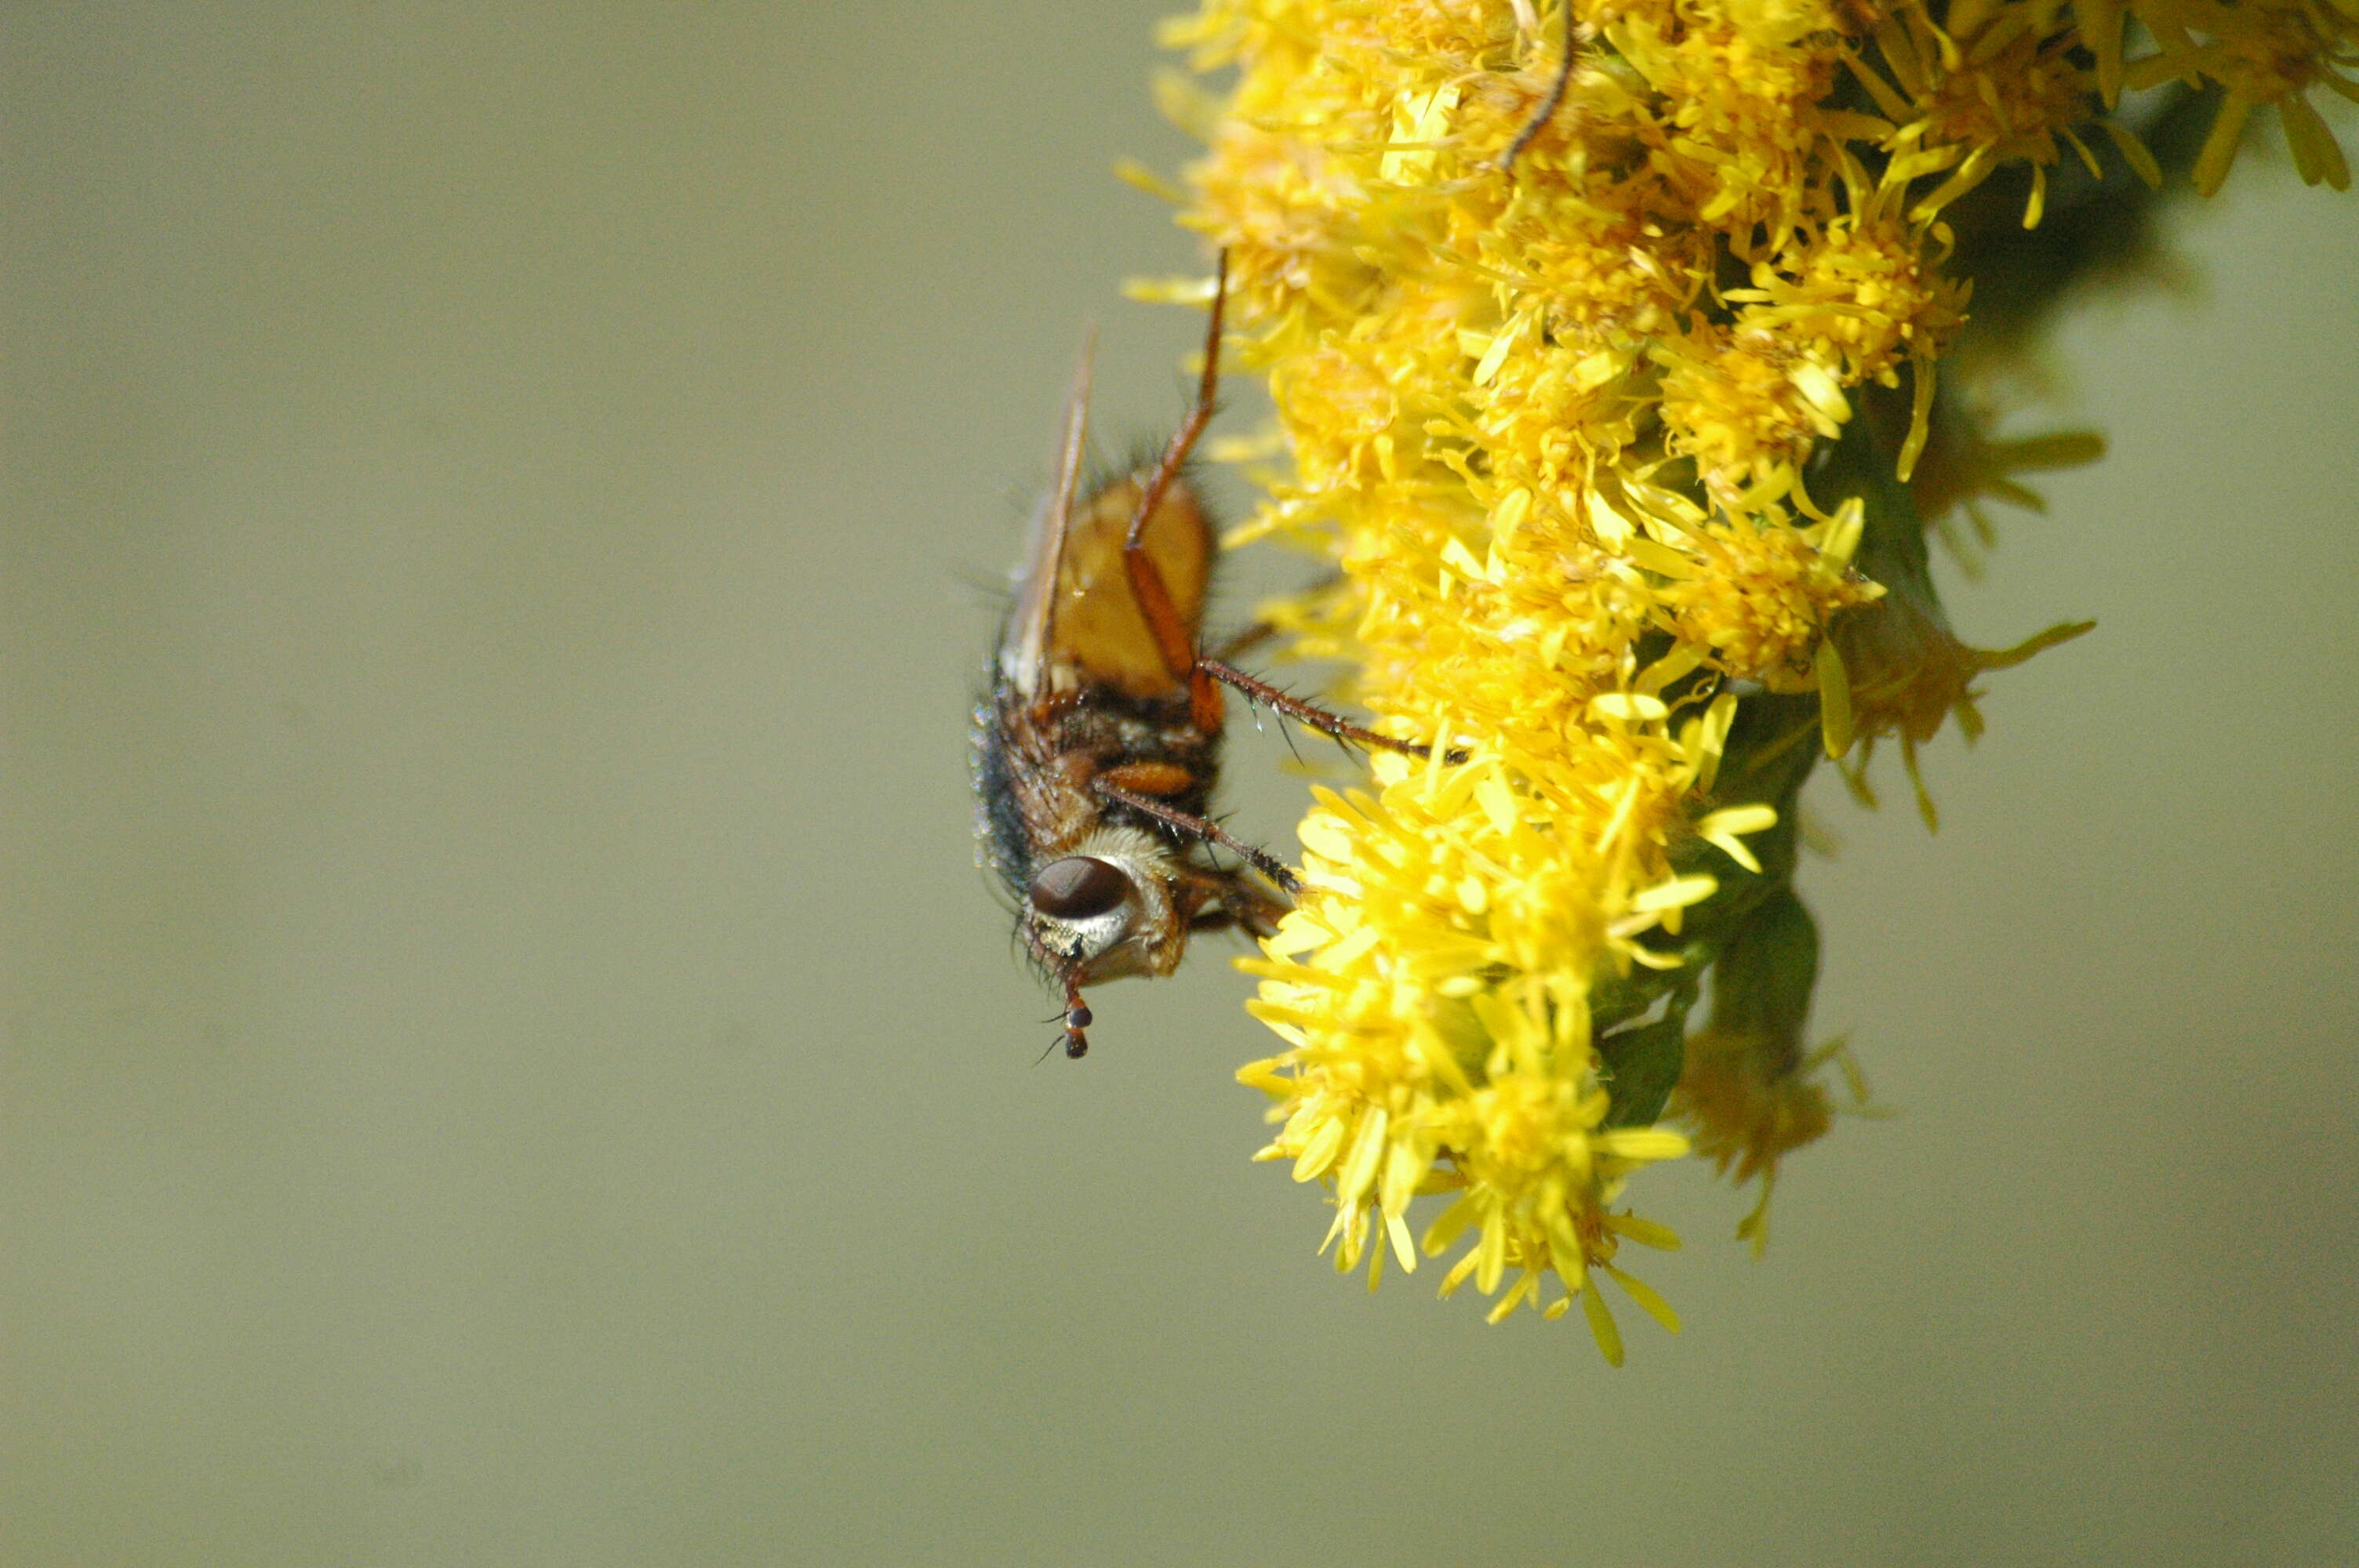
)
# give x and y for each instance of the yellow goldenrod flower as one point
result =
(1610, 413)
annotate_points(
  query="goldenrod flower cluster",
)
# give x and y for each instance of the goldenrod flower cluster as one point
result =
(1605, 403)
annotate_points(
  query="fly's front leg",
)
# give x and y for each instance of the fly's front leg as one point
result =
(1203, 829)
(1228, 900)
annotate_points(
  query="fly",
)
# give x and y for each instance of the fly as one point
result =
(1098, 747)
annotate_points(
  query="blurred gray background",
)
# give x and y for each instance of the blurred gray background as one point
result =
(505, 1056)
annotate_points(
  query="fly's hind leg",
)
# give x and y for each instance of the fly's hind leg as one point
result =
(1553, 102)
(1174, 638)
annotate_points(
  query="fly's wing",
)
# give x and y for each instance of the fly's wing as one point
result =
(1098, 634)
(1031, 618)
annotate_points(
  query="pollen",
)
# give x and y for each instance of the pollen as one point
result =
(1616, 415)
(1761, 598)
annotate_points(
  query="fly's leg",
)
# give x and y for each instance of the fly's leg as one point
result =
(1173, 636)
(1241, 905)
(1174, 639)
(1202, 829)
(1549, 105)
(1317, 718)
(1245, 642)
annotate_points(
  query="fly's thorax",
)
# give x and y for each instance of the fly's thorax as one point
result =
(1100, 730)
(1104, 908)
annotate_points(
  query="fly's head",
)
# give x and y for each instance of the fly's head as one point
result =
(1103, 912)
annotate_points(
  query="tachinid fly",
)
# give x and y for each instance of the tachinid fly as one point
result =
(1098, 746)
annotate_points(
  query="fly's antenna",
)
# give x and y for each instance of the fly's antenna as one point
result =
(1078, 1018)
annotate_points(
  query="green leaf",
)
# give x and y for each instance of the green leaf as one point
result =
(1643, 1062)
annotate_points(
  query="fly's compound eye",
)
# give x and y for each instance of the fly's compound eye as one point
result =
(1079, 887)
